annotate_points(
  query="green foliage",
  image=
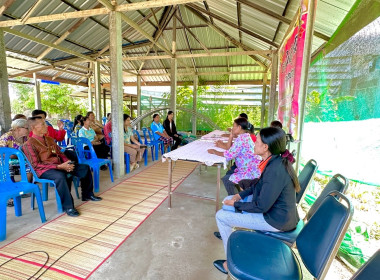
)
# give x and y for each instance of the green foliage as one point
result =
(55, 100)
(222, 115)
(324, 106)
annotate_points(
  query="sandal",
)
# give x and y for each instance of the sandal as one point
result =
(10, 203)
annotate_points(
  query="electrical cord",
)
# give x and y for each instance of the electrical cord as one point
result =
(84, 241)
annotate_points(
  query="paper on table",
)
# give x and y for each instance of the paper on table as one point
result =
(197, 151)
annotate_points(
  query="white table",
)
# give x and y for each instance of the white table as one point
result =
(196, 151)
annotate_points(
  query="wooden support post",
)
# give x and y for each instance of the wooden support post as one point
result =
(131, 107)
(5, 103)
(273, 85)
(90, 107)
(139, 99)
(104, 103)
(195, 93)
(116, 93)
(263, 100)
(98, 89)
(173, 71)
(304, 75)
(37, 93)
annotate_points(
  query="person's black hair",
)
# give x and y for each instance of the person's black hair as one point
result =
(126, 116)
(32, 120)
(89, 113)
(243, 115)
(275, 138)
(83, 120)
(38, 112)
(251, 128)
(167, 116)
(277, 124)
(243, 122)
(154, 115)
(19, 116)
(77, 120)
(108, 114)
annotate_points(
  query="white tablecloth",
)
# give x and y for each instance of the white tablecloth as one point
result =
(197, 151)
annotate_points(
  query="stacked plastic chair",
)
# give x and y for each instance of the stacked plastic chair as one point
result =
(337, 183)
(251, 255)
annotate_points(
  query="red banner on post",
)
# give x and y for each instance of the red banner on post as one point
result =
(290, 65)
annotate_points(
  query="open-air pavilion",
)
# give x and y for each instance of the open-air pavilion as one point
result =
(105, 45)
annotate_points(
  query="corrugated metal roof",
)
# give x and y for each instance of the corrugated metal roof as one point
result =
(93, 35)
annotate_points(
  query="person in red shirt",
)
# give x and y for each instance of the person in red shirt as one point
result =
(107, 129)
(50, 163)
(57, 135)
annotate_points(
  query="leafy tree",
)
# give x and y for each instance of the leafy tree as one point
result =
(222, 115)
(55, 100)
(324, 106)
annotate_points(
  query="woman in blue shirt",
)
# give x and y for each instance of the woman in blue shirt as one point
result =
(159, 132)
(86, 131)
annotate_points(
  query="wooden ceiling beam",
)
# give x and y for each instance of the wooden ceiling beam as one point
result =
(249, 32)
(187, 41)
(189, 26)
(238, 11)
(96, 12)
(183, 83)
(5, 6)
(192, 34)
(226, 36)
(46, 43)
(152, 57)
(273, 15)
(205, 73)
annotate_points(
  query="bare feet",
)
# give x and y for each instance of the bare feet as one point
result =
(225, 266)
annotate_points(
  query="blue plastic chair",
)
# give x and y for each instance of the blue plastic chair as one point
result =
(151, 143)
(256, 256)
(158, 145)
(10, 189)
(145, 155)
(104, 119)
(94, 162)
(45, 185)
(337, 183)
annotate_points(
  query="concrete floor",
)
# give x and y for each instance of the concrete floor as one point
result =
(176, 243)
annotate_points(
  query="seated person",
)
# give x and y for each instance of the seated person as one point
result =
(158, 131)
(15, 138)
(49, 163)
(131, 145)
(277, 124)
(251, 130)
(19, 116)
(108, 129)
(96, 125)
(171, 130)
(57, 135)
(100, 148)
(77, 123)
(270, 203)
(242, 151)
(108, 117)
